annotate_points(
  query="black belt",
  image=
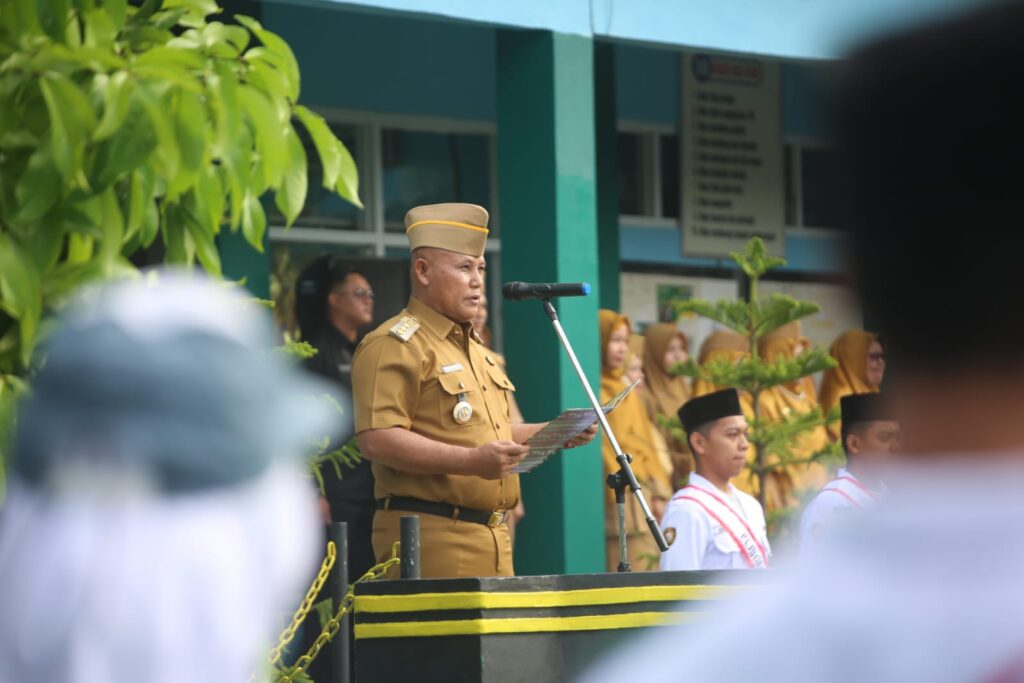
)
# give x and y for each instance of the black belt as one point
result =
(443, 510)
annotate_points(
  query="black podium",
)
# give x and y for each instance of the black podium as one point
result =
(533, 628)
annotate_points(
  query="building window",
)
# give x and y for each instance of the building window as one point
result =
(812, 199)
(403, 162)
(430, 168)
(649, 174)
(325, 209)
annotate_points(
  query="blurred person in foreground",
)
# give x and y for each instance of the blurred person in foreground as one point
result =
(927, 585)
(158, 524)
(870, 437)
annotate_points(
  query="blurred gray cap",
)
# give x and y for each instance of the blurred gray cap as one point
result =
(168, 383)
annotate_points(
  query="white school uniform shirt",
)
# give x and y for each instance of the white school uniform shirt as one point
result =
(833, 505)
(926, 585)
(701, 542)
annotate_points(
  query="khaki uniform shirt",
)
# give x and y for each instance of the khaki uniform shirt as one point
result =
(415, 385)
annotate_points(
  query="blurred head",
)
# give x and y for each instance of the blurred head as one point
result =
(906, 196)
(875, 364)
(878, 439)
(449, 282)
(618, 347)
(350, 301)
(906, 199)
(720, 447)
(331, 291)
(161, 450)
(615, 330)
(675, 353)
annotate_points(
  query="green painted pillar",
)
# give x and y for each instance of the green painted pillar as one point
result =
(606, 136)
(547, 186)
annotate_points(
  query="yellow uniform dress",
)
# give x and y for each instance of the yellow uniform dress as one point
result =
(666, 394)
(778, 403)
(635, 435)
(415, 384)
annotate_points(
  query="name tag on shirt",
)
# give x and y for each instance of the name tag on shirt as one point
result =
(454, 367)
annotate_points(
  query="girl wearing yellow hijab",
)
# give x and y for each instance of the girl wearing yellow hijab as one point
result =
(665, 347)
(722, 344)
(634, 433)
(860, 370)
(779, 402)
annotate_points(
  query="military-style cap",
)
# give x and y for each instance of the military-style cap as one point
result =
(461, 228)
(856, 408)
(708, 408)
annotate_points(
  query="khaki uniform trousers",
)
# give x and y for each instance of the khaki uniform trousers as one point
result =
(448, 548)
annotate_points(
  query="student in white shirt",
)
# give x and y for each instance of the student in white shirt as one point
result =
(710, 524)
(869, 436)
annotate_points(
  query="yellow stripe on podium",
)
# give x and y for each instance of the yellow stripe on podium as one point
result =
(426, 602)
(478, 627)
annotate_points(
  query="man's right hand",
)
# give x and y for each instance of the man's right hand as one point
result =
(496, 459)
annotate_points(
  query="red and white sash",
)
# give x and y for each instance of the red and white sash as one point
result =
(852, 490)
(751, 550)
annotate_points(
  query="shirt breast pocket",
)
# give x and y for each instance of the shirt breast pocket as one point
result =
(723, 541)
(504, 387)
(455, 389)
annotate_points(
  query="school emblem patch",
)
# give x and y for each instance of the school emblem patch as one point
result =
(670, 535)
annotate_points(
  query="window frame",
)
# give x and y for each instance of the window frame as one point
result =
(369, 126)
(796, 144)
(650, 133)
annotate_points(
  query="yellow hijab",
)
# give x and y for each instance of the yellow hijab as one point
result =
(667, 393)
(782, 342)
(720, 344)
(629, 421)
(850, 349)
(779, 402)
(851, 375)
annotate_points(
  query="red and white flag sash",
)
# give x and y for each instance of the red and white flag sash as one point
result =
(751, 550)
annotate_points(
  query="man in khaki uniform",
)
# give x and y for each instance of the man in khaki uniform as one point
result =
(432, 407)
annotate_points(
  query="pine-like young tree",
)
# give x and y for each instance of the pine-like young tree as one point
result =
(773, 441)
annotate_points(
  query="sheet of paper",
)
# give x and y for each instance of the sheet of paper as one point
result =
(549, 440)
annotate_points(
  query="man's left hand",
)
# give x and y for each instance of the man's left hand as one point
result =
(583, 438)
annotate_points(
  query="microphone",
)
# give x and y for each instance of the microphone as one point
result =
(543, 290)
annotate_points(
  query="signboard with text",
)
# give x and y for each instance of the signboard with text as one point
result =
(732, 170)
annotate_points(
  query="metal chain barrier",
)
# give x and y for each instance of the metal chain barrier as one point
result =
(307, 604)
(334, 625)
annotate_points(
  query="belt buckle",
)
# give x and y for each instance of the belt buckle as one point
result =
(497, 518)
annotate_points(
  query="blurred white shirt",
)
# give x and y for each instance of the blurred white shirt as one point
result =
(701, 542)
(837, 499)
(928, 585)
(152, 589)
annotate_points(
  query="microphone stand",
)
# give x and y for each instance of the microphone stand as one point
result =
(624, 477)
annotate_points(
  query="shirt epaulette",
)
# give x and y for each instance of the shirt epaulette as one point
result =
(405, 328)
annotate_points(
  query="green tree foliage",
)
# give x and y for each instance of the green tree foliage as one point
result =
(752, 374)
(122, 124)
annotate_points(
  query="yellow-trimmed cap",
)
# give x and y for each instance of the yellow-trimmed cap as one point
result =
(461, 228)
